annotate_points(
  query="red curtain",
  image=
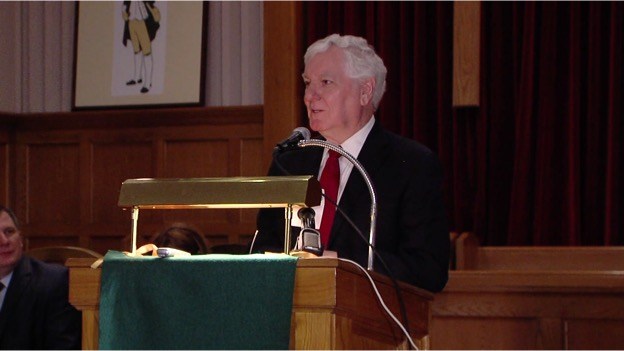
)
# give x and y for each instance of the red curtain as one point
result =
(549, 130)
(539, 161)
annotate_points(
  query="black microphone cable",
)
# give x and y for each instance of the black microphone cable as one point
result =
(276, 154)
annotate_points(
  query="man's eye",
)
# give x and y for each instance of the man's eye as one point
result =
(10, 231)
(306, 83)
(326, 81)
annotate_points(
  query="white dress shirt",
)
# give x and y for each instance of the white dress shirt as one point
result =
(5, 281)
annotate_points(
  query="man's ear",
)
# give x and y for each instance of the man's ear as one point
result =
(366, 91)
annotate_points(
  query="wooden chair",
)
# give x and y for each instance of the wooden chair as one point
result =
(60, 254)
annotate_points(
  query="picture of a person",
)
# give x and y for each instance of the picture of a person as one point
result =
(141, 22)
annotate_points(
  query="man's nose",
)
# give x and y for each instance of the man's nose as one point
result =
(310, 94)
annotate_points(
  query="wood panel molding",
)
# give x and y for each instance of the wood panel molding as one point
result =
(283, 64)
(132, 118)
(466, 55)
(68, 168)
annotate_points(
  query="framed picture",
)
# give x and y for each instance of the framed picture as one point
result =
(138, 54)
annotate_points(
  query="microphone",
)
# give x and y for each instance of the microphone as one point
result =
(306, 215)
(298, 134)
(309, 238)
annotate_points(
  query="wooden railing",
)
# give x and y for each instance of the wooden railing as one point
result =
(531, 298)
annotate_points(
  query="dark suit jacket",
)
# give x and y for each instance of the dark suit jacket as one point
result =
(36, 313)
(412, 234)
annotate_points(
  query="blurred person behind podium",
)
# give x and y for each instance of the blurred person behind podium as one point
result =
(183, 237)
(35, 312)
(344, 81)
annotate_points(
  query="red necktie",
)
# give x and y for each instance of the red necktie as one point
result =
(330, 179)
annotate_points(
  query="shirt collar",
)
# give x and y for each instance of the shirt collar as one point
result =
(7, 279)
(354, 144)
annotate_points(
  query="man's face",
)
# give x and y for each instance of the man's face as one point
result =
(10, 244)
(333, 99)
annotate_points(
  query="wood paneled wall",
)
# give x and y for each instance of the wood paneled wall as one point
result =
(65, 180)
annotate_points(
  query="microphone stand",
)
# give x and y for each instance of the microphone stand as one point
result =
(367, 180)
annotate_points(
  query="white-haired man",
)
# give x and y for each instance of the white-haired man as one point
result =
(344, 83)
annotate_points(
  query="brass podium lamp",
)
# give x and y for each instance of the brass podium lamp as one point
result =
(232, 192)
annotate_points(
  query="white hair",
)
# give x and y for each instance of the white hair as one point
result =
(360, 57)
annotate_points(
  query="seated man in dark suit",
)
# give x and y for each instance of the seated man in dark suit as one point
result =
(34, 309)
(344, 82)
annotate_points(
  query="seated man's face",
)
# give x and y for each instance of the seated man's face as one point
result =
(10, 244)
(331, 97)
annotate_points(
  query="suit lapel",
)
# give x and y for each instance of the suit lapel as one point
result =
(306, 161)
(21, 279)
(371, 157)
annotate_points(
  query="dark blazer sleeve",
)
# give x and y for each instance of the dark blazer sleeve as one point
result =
(36, 313)
(63, 325)
(421, 236)
(412, 234)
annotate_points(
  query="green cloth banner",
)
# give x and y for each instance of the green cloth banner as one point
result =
(196, 302)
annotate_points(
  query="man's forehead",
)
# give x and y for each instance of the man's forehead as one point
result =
(323, 71)
(330, 60)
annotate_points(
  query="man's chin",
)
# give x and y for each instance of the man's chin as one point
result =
(8, 258)
(313, 126)
(316, 126)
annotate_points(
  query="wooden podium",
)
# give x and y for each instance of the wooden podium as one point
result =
(334, 307)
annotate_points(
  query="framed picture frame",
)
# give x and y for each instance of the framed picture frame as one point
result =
(139, 54)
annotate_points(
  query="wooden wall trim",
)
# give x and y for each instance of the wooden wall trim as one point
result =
(103, 119)
(283, 64)
(466, 46)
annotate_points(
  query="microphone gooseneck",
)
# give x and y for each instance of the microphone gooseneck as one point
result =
(367, 180)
